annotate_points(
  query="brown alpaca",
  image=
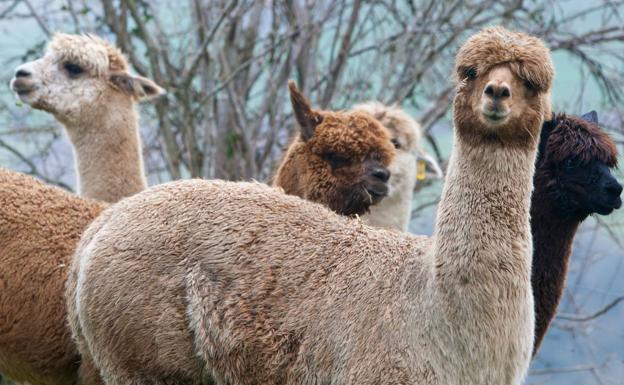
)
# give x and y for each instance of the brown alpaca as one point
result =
(572, 180)
(252, 286)
(39, 228)
(338, 159)
(84, 82)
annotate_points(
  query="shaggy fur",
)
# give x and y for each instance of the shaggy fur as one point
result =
(39, 229)
(572, 180)
(394, 211)
(338, 159)
(84, 82)
(253, 286)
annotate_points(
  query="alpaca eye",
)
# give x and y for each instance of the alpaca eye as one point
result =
(73, 69)
(571, 164)
(336, 161)
(396, 143)
(471, 73)
(530, 86)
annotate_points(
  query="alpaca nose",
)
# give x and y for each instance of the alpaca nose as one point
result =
(381, 173)
(22, 73)
(497, 91)
(614, 189)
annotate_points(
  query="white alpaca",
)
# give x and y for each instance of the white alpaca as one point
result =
(84, 82)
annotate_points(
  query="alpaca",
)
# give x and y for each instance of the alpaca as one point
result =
(572, 180)
(39, 228)
(84, 82)
(252, 286)
(557, 204)
(339, 158)
(394, 211)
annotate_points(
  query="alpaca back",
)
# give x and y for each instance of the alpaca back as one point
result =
(248, 297)
(39, 229)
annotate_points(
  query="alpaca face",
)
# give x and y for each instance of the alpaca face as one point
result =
(405, 137)
(503, 87)
(574, 164)
(340, 159)
(584, 189)
(74, 75)
(500, 105)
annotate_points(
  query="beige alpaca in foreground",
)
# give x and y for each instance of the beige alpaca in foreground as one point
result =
(83, 81)
(252, 286)
(394, 211)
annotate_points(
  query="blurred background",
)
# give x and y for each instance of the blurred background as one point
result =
(226, 114)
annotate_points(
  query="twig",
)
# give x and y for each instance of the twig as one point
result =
(583, 318)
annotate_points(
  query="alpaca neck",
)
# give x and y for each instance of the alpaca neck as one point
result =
(482, 239)
(481, 261)
(288, 177)
(107, 150)
(553, 236)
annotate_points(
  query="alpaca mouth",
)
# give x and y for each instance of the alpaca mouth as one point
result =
(22, 88)
(606, 209)
(377, 192)
(495, 116)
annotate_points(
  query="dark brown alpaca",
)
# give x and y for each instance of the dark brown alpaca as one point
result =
(338, 159)
(572, 180)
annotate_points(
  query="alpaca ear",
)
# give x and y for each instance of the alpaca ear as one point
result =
(149, 88)
(591, 116)
(380, 115)
(136, 86)
(307, 118)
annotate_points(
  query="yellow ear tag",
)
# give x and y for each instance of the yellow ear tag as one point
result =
(421, 167)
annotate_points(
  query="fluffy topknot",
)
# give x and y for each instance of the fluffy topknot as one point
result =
(529, 57)
(93, 53)
(572, 137)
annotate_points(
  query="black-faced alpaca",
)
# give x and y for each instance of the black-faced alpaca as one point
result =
(572, 180)
(339, 158)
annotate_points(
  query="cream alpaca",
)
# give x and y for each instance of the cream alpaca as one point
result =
(84, 82)
(394, 211)
(252, 286)
(79, 78)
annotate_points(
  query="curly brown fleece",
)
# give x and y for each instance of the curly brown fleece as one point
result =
(39, 229)
(329, 162)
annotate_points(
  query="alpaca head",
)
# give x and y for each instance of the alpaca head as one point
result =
(76, 75)
(574, 165)
(405, 135)
(503, 87)
(339, 159)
